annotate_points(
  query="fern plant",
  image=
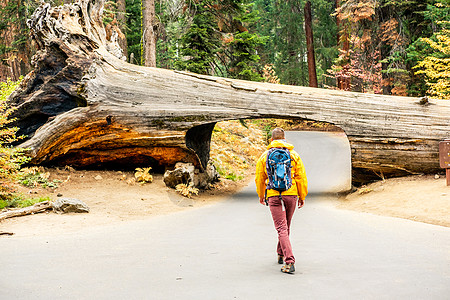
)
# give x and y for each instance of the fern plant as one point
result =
(186, 190)
(143, 175)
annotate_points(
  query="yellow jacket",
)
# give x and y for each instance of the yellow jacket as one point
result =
(299, 182)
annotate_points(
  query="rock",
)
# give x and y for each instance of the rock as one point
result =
(186, 173)
(66, 205)
(177, 176)
(98, 177)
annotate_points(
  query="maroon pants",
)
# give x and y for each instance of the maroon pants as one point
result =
(282, 216)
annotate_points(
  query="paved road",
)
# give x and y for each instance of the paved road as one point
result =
(327, 159)
(227, 251)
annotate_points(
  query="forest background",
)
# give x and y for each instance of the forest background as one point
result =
(393, 47)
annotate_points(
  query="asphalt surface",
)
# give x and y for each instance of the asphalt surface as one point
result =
(227, 251)
(327, 159)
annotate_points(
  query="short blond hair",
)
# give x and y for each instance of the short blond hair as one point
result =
(278, 134)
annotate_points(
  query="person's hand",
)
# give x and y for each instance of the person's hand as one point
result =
(301, 203)
(262, 201)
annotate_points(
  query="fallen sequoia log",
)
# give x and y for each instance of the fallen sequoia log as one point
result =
(83, 105)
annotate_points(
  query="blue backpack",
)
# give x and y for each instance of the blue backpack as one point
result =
(278, 167)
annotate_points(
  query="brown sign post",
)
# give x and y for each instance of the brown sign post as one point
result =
(444, 158)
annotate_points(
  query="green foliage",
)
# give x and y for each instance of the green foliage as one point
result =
(237, 38)
(20, 201)
(133, 32)
(218, 41)
(241, 45)
(36, 176)
(289, 39)
(430, 56)
(227, 172)
(200, 43)
(7, 135)
(10, 158)
(285, 49)
(244, 63)
(436, 66)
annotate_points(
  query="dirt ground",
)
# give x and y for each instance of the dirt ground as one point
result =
(418, 198)
(112, 200)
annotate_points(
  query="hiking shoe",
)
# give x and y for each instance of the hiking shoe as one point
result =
(280, 259)
(288, 268)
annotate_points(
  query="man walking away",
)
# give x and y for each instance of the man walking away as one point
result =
(281, 192)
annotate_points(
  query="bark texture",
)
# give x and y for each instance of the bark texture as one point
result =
(149, 34)
(122, 20)
(85, 107)
(310, 46)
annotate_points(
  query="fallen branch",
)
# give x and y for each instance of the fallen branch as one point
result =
(6, 233)
(37, 208)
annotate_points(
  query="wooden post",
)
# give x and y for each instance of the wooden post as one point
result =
(444, 158)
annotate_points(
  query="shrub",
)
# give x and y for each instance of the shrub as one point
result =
(186, 190)
(143, 175)
(36, 176)
(10, 158)
(21, 201)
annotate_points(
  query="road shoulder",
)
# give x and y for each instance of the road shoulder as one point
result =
(418, 198)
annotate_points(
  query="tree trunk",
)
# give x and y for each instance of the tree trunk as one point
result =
(149, 34)
(310, 46)
(387, 79)
(338, 22)
(121, 18)
(83, 106)
(343, 82)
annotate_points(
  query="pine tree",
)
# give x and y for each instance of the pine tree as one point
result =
(285, 49)
(218, 40)
(241, 45)
(290, 44)
(201, 42)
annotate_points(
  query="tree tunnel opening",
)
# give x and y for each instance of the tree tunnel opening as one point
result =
(198, 138)
(324, 148)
